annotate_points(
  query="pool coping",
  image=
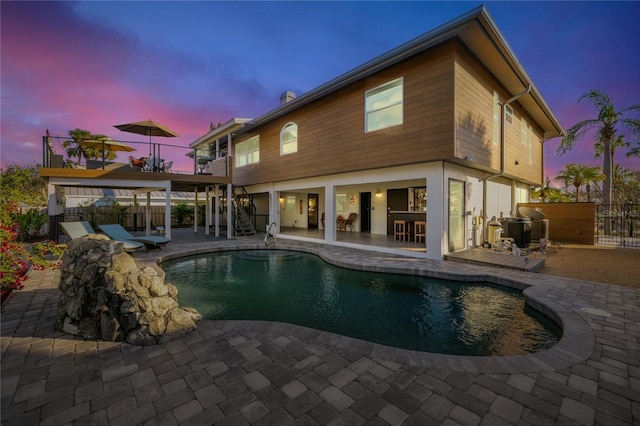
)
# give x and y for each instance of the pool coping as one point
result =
(575, 346)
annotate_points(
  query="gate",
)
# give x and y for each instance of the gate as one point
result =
(618, 224)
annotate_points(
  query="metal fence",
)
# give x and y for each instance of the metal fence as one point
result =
(618, 224)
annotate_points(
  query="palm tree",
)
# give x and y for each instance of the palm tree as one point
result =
(73, 147)
(591, 175)
(547, 194)
(605, 126)
(572, 175)
(541, 192)
(578, 175)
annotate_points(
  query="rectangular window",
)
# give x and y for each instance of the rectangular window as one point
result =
(241, 154)
(290, 206)
(508, 114)
(341, 203)
(248, 152)
(384, 105)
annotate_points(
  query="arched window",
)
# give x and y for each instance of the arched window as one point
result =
(289, 139)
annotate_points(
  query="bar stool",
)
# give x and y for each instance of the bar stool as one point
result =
(419, 231)
(400, 230)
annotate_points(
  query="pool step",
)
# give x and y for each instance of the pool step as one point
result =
(489, 257)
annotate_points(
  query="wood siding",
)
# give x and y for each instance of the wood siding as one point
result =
(474, 87)
(568, 222)
(331, 136)
(474, 112)
(447, 115)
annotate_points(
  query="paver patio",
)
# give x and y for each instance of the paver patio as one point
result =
(263, 373)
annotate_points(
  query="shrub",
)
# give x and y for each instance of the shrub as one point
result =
(17, 257)
(182, 214)
(29, 224)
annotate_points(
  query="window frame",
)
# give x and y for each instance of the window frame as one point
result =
(508, 114)
(284, 143)
(242, 152)
(379, 89)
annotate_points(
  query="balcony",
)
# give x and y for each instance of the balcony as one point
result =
(195, 173)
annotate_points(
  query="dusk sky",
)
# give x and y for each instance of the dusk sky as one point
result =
(93, 65)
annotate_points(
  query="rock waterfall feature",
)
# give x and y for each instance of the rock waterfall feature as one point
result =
(104, 295)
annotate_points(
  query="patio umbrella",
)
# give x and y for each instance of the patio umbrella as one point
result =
(147, 127)
(106, 144)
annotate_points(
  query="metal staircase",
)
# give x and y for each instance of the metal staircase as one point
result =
(244, 210)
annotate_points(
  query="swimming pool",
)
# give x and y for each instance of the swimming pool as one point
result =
(403, 311)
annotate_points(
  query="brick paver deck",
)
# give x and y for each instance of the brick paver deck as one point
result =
(264, 373)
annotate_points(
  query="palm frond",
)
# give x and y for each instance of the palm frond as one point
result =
(632, 124)
(598, 98)
(575, 133)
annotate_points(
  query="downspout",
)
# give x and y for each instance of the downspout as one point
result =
(502, 157)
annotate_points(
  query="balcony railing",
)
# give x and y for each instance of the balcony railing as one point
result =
(168, 158)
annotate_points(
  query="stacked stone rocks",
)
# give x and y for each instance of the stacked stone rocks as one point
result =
(104, 295)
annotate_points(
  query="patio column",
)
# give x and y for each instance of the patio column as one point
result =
(207, 211)
(148, 215)
(135, 211)
(230, 230)
(167, 211)
(195, 211)
(274, 209)
(330, 213)
(216, 208)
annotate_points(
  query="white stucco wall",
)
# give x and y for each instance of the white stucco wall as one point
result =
(435, 176)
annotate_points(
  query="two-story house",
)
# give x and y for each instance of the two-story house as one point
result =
(447, 129)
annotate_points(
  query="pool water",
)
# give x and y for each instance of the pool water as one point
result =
(409, 312)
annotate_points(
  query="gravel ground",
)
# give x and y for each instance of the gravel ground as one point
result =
(610, 265)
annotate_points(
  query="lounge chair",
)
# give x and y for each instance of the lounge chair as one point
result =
(83, 228)
(117, 232)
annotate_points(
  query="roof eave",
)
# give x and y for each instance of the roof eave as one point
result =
(464, 27)
(220, 131)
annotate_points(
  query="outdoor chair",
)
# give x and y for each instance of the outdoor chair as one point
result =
(82, 228)
(136, 164)
(167, 167)
(117, 232)
(349, 222)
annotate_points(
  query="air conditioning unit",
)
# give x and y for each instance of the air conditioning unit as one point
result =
(539, 229)
(517, 228)
(539, 225)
